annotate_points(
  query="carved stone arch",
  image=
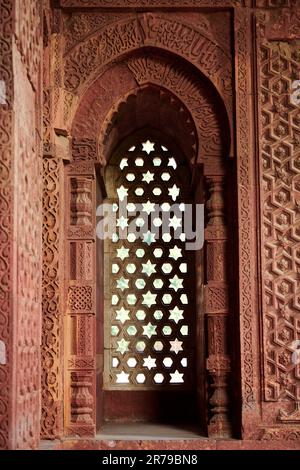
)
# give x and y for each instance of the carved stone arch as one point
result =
(205, 122)
(94, 54)
(154, 107)
(194, 91)
(131, 33)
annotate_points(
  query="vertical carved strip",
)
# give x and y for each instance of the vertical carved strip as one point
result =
(246, 213)
(53, 222)
(51, 331)
(216, 308)
(80, 294)
(5, 273)
(6, 155)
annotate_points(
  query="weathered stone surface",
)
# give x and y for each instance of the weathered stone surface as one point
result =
(20, 222)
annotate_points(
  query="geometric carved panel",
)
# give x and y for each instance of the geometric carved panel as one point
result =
(80, 298)
(280, 155)
(216, 299)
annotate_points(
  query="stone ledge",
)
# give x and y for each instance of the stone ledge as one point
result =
(193, 444)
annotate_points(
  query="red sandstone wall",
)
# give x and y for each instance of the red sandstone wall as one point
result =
(268, 173)
(20, 223)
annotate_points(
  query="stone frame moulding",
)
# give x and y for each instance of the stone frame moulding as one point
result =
(83, 117)
(89, 123)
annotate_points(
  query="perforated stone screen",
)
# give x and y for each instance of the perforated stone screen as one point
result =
(149, 303)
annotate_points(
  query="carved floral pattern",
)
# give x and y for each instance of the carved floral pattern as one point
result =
(245, 207)
(51, 353)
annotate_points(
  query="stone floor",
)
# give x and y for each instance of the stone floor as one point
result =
(148, 431)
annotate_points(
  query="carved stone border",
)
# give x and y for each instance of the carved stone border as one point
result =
(84, 134)
(6, 188)
(246, 221)
(125, 4)
(246, 203)
(51, 412)
(52, 301)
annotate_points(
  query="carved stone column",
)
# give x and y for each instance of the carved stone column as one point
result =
(80, 291)
(216, 309)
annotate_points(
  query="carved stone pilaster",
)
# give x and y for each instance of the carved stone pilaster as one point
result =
(80, 296)
(216, 309)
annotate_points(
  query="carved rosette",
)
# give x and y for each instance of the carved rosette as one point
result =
(80, 290)
(216, 309)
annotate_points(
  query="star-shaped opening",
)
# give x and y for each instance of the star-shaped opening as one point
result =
(122, 222)
(122, 315)
(172, 163)
(176, 314)
(122, 378)
(174, 192)
(176, 346)
(149, 299)
(122, 346)
(149, 330)
(148, 207)
(176, 378)
(175, 222)
(175, 253)
(122, 193)
(148, 147)
(149, 238)
(148, 268)
(122, 283)
(176, 283)
(148, 177)
(149, 362)
(123, 253)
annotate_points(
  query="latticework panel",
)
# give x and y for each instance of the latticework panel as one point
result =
(149, 306)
